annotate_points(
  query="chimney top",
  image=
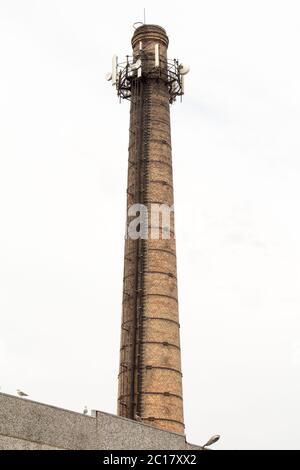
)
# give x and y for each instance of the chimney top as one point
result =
(150, 32)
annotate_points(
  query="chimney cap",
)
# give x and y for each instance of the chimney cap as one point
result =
(150, 32)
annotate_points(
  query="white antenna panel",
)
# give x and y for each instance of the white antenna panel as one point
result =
(136, 65)
(156, 55)
(182, 83)
(114, 70)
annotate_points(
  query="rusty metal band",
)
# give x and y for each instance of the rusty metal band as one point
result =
(152, 418)
(163, 273)
(152, 140)
(161, 141)
(164, 250)
(144, 318)
(170, 369)
(152, 272)
(161, 295)
(166, 394)
(150, 366)
(160, 203)
(162, 319)
(131, 163)
(161, 121)
(131, 253)
(151, 294)
(162, 182)
(162, 343)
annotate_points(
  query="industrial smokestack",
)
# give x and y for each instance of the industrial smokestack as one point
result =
(150, 378)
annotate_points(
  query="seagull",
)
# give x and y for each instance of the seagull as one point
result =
(21, 394)
(85, 411)
(138, 418)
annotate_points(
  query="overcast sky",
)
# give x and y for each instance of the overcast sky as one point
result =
(63, 172)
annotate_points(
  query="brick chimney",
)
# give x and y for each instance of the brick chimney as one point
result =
(150, 378)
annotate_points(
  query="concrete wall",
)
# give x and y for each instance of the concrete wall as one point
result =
(25, 424)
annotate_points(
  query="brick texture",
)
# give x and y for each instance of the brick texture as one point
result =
(150, 379)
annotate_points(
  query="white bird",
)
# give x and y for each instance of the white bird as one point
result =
(21, 394)
(85, 411)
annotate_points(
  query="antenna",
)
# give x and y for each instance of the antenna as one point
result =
(124, 74)
(136, 65)
(157, 55)
(183, 69)
(182, 84)
(114, 70)
(144, 15)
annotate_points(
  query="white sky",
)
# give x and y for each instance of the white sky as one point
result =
(63, 171)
